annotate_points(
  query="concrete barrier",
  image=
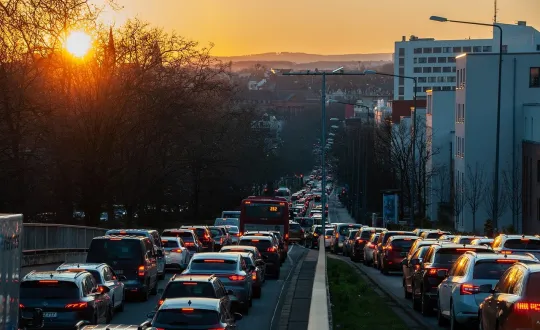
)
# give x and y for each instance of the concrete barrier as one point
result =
(319, 317)
(30, 260)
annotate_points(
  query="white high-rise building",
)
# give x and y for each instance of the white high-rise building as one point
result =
(433, 64)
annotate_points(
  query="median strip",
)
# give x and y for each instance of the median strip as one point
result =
(355, 304)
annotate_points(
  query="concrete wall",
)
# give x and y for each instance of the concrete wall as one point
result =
(30, 260)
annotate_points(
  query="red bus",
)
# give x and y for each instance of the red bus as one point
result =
(265, 213)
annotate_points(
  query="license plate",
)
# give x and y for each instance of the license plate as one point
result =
(49, 314)
(119, 272)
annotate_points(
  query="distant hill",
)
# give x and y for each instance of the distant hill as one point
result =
(321, 65)
(308, 58)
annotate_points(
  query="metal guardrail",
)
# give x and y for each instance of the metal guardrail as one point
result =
(44, 238)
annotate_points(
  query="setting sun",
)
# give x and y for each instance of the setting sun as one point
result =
(78, 43)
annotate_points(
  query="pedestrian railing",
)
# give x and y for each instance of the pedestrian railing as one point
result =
(44, 238)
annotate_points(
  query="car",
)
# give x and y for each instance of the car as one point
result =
(341, 233)
(482, 241)
(220, 236)
(383, 238)
(276, 239)
(244, 248)
(234, 232)
(459, 293)
(231, 269)
(103, 275)
(204, 236)
(368, 249)
(296, 233)
(131, 256)
(65, 298)
(188, 236)
(360, 241)
(464, 239)
(349, 242)
(196, 313)
(395, 251)
(199, 286)
(257, 274)
(312, 239)
(517, 244)
(176, 253)
(268, 249)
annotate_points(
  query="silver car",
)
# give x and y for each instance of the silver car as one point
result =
(231, 269)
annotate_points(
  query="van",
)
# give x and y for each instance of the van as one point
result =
(131, 256)
(154, 237)
(227, 222)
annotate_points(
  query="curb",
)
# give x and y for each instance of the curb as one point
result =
(286, 308)
(406, 314)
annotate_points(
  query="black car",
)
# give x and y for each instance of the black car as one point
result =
(269, 251)
(131, 256)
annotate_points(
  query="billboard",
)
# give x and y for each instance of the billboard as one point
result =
(390, 208)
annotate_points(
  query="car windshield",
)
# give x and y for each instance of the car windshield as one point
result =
(213, 264)
(186, 317)
(49, 290)
(492, 269)
(169, 243)
(262, 245)
(177, 289)
(109, 250)
(522, 244)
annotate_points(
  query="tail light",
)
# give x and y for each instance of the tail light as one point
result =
(271, 249)
(177, 250)
(359, 241)
(237, 278)
(254, 276)
(21, 306)
(287, 236)
(327, 236)
(160, 302)
(189, 244)
(433, 271)
(76, 305)
(217, 329)
(468, 289)
(337, 235)
(523, 307)
(159, 328)
(141, 271)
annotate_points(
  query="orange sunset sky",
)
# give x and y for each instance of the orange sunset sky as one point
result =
(241, 27)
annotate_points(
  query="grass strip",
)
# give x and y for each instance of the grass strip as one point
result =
(354, 303)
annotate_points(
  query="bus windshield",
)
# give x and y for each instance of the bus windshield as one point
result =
(264, 211)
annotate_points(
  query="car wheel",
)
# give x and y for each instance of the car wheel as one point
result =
(153, 292)
(245, 309)
(454, 324)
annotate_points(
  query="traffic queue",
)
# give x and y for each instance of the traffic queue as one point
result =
(218, 274)
(463, 280)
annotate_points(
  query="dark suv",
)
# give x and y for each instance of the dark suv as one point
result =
(204, 235)
(383, 239)
(65, 298)
(296, 233)
(198, 286)
(432, 270)
(269, 251)
(131, 256)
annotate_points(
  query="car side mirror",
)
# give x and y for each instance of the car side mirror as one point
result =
(35, 321)
(150, 315)
(159, 253)
(102, 289)
(415, 262)
(121, 278)
(442, 273)
(238, 316)
(230, 292)
(486, 288)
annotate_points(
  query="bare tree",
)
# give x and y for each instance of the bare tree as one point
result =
(458, 204)
(513, 184)
(490, 201)
(475, 190)
(442, 176)
(424, 154)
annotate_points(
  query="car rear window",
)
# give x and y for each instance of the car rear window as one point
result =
(352, 233)
(185, 235)
(388, 235)
(233, 230)
(295, 226)
(213, 264)
(49, 290)
(466, 240)
(402, 244)
(114, 249)
(193, 317)
(262, 245)
(522, 244)
(344, 230)
(177, 289)
(366, 234)
(277, 234)
(199, 232)
(449, 255)
(169, 243)
(493, 269)
(216, 232)
(248, 261)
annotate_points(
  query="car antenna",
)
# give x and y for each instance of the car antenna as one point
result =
(189, 302)
(52, 275)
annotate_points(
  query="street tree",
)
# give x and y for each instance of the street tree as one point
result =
(475, 190)
(513, 184)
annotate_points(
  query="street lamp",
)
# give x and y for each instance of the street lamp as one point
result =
(498, 129)
(413, 185)
(337, 72)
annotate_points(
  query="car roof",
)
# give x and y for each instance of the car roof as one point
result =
(85, 266)
(405, 237)
(129, 231)
(192, 278)
(53, 276)
(497, 256)
(243, 254)
(460, 246)
(232, 247)
(254, 237)
(214, 255)
(191, 302)
(108, 237)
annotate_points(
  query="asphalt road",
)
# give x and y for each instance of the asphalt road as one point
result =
(261, 314)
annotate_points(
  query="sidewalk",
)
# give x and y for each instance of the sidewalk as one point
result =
(296, 306)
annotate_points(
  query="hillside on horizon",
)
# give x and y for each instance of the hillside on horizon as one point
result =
(308, 58)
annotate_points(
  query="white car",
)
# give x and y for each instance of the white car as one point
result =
(459, 293)
(104, 275)
(328, 237)
(176, 255)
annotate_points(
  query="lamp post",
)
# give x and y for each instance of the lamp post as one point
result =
(337, 72)
(413, 183)
(495, 197)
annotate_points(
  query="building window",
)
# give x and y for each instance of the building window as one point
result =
(401, 71)
(477, 49)
(534, 80)
(504, 49)
(447, 69)
(456, 49)
(401, 98)
(432, 79)
(487, 49)
(538, 47)
(401, 81)
(418, 89)
(441, 79)
(454, 69)
(422, 60)
(427, 50)
(418, 50)
(401, 61)
(432, 60)
(447, 88)
(438, 50)
(437, 69)
(467, 49)
(415, 60)
(450, 79)
(447, 50)
(425, 89)
(441, 59)
(452, 59)
(437, 88)
(417, 69)
(422, 79)
(401, 52)
(426, 69)
(401, 90)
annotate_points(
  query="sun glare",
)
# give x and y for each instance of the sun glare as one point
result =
(78, 43)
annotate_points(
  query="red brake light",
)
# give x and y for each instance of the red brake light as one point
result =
(506, 252)
(271, 249)
(115, 239)
(214, 260)
(141, 271)
(189, 244)
(160, 302)
(76, 306)
(464, 250)
(506, 261)
(468, 289)
(433, 271)
(177, 250)
(254, 276)
(21, 306)
(237, 278)
(526, 307)
(255, 240)
(190, 283)
(187, 310)
(48, 281)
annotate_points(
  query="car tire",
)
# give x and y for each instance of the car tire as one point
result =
(406, 293)
(416, 303)
(277, 274)
(245, 309)
(257, 293)
(109, 317)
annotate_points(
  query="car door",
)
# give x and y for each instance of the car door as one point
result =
(408, 269)
(489, 310)
(446, 287)
(116, 287)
